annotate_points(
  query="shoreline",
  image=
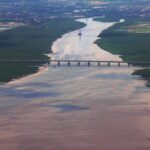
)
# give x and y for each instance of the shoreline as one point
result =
(40, 71)
(63, 48)
(130, 45)
(68, 108)
(44, 68)
(30, 43)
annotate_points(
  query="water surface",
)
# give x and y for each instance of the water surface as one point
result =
(77, 108)
(72, 46)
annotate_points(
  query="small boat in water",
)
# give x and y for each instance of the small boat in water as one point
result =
(80, 33)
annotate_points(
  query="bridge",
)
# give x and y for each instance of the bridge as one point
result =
(79, 62)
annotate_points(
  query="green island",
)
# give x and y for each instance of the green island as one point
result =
(130, 39)
(30, 42)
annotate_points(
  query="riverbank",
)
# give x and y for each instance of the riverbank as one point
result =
(30, 42)
(73, 46)
(130, 39)
(76, 108)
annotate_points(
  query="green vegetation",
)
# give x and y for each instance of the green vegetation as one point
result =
(12, 71)
(127, 40)
(145, 73)
(132, 46)
(141, 27)
(30, 42)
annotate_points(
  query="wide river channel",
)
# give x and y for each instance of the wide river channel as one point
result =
(77, 108)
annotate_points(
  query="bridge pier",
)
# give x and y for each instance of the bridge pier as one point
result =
(68, 63)
(129, 64)
(58, 63)
(49, 63)
(78, 63)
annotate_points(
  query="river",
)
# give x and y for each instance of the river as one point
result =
(77, 108)
(72, 46)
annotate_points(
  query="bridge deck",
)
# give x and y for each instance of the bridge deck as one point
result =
(78, 62)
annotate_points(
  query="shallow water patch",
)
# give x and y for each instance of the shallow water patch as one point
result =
(28, 93)
(66, 107)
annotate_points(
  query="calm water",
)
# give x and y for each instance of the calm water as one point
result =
(72, 46)
(77, 108)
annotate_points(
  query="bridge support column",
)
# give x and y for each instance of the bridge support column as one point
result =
(58, 63)
(129, 64)
(108, 64)
(49, 63)
(78, 63)
(99, 63)
(118, 64)
(88, 63)
(68, 63)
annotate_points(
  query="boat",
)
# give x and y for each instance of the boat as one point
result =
(80, 33)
